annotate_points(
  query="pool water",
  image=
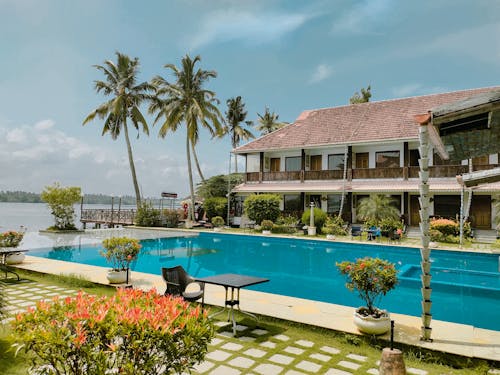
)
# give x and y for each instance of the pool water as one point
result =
(306, 269)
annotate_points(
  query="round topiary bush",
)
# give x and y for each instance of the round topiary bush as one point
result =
(319, 218)
(267, 225)
(217, 221)
(262, 207)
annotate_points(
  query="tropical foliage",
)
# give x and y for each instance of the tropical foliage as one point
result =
(319, 218)
(131, 332)
(372, 278)
(377, 207)
(268, 122)
(496, 206)
(147, 215)
(126, 98)
(446, 230)
(335, 225)
(217, 221)
(216, 206)
(235, 116)
(120, 251)
(11, 238)
(260, 207)
(186, 101)
(60, 200)
(363, 97)
(217, 186)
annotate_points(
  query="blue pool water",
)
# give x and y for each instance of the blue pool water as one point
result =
(466, 287)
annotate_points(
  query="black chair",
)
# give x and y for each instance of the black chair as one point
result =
(177, 280)
(356, 231)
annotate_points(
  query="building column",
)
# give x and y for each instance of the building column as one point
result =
(261, 166)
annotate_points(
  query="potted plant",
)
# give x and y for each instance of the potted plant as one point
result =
(120, 251)
(372, 278)
(12, 239)
(217, 222)
(266, 226)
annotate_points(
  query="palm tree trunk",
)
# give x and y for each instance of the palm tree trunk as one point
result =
(132, 166)
(196, 162)
(235, 163)
(190, 173)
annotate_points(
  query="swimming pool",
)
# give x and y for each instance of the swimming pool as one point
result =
(465, 285)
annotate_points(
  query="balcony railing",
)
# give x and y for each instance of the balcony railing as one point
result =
(252, 177)
(324, 175)
(436, 171)
(377, 173)
(281, 176)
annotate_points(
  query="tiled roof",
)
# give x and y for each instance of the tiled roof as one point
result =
(357, 123)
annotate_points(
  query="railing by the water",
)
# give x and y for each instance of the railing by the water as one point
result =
(108, 217)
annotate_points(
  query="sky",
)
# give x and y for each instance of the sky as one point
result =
(287, 55)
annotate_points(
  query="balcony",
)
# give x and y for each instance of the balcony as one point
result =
(377, 173)
(324, 175)
(437, 171)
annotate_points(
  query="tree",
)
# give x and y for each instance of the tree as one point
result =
(259, 207)
(268, 122)
(185, 101)
(235, 115)
(376, 208)
(60, 200)
(496, 206)
(126, 98)
(217, 186)
(364, 97)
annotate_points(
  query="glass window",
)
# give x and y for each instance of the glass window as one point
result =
(333, 206)
(293, 163)
(253, 162)
(387, 159)
(292, 203)
(336, 162)
(316, 162)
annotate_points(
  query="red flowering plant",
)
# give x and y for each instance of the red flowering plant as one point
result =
(372, 278)
(120, 251)
(11, 238)
(132, 332)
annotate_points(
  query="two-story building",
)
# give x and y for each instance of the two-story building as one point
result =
(358, 150)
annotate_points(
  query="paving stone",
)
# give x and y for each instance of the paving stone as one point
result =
(259, 332)
(14, 292)
(356, 357)
(26, 303)
(218, 355)
(246, 339)
(349, 365)
(268, 344)
(52, 294)
(221, 324)
(294, 350)
(416, 371)
(231, 346)
(256, 353)
(293, 372)
(305, 343)
(268, 369)
(493, 371)
(373, 371)
(225, 370)
(308, 366)
(329, 349)
(226, 334)
(242, 362)
(320, 357)
(25, 295)
(281, 359)
(204, 366)
(216, 341)
(335, 371)
(240, 328)
(282, 337)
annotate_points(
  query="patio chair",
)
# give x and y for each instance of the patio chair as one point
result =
(177, 280)
(356, 231)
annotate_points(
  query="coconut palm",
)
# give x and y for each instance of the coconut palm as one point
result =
(235, 115)
(496, 206)
(185, 101)
(268, 122)
(126, 98)
(376, 208)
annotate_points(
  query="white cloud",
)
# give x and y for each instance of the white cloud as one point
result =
(362, 18)
(44, 124)
(254, 28)
(322, 72)
(415, 89)
(17, 135)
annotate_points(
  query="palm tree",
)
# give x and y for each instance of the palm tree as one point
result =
(269, 122)
(235, 115)
(496, 206)
(185, 101)
(364, 97)
(127, 96)
(376, 208)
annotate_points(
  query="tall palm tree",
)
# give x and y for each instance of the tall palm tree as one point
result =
(377, 207)
(268, 122)
(235, 115)
(126, 98)
(185, 101)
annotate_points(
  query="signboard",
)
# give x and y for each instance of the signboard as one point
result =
(169, 195)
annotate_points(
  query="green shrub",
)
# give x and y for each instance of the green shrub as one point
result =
(170, 218)
(445, 226)
(290, 220)
(215, 207)
(131, 332)
(267, 225)
(283, 229)
(120, 251)
(217, 221)
(446, 230)
(61, 200)
(319, 218)
(147, 216)
(334, 225)
(262, 207)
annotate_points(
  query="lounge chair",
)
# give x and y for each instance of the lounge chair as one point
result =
(177, 280)
(356, 231)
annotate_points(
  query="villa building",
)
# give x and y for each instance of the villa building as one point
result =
(362, 149)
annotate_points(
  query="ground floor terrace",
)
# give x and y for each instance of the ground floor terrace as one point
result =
(459, 339)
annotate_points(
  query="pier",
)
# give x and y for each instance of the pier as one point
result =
(107, 217)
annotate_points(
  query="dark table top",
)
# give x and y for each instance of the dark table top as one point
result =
(232, 280)
(9, 250)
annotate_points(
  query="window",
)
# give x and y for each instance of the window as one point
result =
(333, 201)
(293, 163)
(316, 162)
(414, 156)
(387, 159)
(437, 160)
(253, 163)
(336, 162)
(275, 165)
(292, 203)
(362, 159)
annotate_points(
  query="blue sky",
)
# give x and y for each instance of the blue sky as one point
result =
(288, 55)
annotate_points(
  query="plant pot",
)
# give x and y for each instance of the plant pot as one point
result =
(15, 258)
(217, 229)
(426, 267)
(266, 232)
(311, 231)
(426, 320)
(117, 277)
(426, 293)
(330, 237)
(371, 325)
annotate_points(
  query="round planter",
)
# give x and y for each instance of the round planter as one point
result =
(217, 229)
(311, 231)
(266, 232)
(15, 258)
(371, 325)
(117, 277)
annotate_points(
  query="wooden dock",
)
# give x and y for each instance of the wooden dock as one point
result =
(107, 217)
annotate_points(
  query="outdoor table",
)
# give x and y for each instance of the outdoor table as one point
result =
(234, 282)
(4, 252)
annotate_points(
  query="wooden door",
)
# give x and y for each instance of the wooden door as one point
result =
(316, 162)
(275, 164)
(481, 160)
(414, 210)
(480, 212)
(362, 159)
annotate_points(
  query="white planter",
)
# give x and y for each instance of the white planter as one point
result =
(371, 325)
(15, 258)
(217, 229)
(266, 232)
(311, 231)
(330, 237)
(117, 277)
